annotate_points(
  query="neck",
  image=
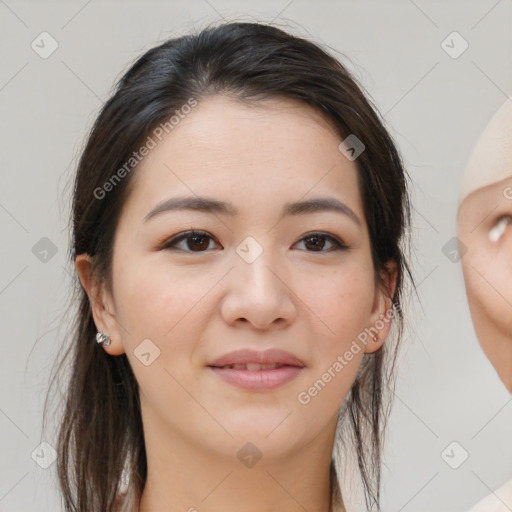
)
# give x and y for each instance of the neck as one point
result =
(185, 476)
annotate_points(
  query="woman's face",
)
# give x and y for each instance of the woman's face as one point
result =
(485, 229)
(254, 279)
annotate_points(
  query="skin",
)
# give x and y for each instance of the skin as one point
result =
(198, 305)
(487, 269)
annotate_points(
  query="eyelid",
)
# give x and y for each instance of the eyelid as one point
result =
(339, 244)
(499, 227)
(168, 243)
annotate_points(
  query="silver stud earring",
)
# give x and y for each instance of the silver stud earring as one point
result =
(103, 339)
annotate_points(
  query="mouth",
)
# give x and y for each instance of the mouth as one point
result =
(252, 377)
(251, 367)
(257, 371)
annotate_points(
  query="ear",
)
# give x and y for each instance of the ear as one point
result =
(382, 314)
(102, 304)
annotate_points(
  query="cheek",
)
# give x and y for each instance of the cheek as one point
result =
(499, 276)
(164, 314)
(342, 302)
(488, 277)
(161, 305)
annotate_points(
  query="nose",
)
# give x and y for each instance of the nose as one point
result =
(507, 246)
(259, 294)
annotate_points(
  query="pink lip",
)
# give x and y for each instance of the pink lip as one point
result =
(258, 380)
(269, 356)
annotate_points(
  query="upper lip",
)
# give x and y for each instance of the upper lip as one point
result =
(269, 356)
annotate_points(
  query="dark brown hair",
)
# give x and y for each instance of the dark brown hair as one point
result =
(100, 430)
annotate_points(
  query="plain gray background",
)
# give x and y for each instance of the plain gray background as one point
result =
(435, 107)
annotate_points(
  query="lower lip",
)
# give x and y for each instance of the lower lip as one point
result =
(260, 380)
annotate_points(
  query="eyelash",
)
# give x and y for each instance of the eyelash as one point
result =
(170, 243)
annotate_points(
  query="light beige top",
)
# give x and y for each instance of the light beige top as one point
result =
(499, 501)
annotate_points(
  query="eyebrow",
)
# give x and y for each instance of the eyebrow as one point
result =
(212, 206)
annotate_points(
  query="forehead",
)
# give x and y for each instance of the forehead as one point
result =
(484, 200)
(224, 147)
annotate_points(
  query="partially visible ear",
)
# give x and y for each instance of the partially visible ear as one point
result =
(381, 315)
(102, 304)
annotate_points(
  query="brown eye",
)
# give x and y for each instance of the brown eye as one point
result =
(195, 241)
(199, 241)
(317, 241)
